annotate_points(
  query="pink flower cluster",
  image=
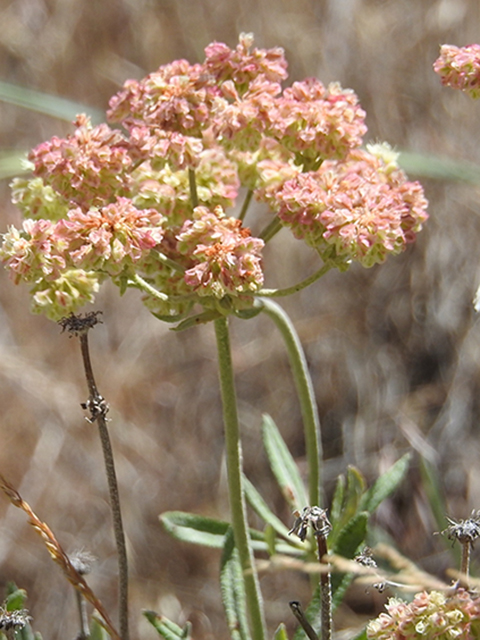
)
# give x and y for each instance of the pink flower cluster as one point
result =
(459, 68)
(357, 209)
(431, 616)
(150, 202)
(227, 257)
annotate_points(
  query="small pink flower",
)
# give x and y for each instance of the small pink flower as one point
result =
(88, 168)
(459, 68)
(226, 258)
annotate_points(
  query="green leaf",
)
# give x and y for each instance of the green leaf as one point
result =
(281, 632)
(16, 598)
(166, 628)
(12, 164)
(440, 167)
(97, 632)
(337, 500)
(46, 104)
(233, 590)
(283, 465)
(349, 540)
(361, 636)
(385, 485)
(261, 508)
(194, 528)
(209, 532)
(194, 321)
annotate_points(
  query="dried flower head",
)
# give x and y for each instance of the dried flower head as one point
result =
(16, 619)
(465, 531)
(315, 517)
(459, 68)
(430, 616)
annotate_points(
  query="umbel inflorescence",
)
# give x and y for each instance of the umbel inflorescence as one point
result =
(146, 204)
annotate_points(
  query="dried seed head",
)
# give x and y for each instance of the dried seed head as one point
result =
(13, 619)
(316, 517)
(82, 561)
(465, 531)
(81, 323)
(365, 558)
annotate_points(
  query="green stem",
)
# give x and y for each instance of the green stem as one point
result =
(304, 385)
(246, 204)
(235, 488)
(280, 293)
(193, 188)
(271, 230)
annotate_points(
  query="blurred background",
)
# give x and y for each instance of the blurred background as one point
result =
(394, 350)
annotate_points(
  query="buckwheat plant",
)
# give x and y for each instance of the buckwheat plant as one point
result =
(148, 202)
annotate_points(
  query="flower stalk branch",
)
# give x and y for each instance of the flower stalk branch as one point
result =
(235, 488)
(306, 395)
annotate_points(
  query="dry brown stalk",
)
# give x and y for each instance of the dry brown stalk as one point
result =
(58, 554)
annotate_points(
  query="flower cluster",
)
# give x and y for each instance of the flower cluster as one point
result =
(459, 68)
(429, 616)
(147, 207)
(361, 209)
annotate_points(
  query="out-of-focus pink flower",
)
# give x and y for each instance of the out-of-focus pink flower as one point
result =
(318, 123)
(35, 252)
(459, 68)
(242, 66)
(431, 616)
(88, 168)
(176, 97)
(226, 258)
(73, 289)
(359, 209)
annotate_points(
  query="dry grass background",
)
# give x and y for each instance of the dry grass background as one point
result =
(394, 350)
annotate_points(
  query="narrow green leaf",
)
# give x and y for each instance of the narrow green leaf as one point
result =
(270, 539)
(261, 508)
(209, 532)
(12, 164)
(47, 104)
(283, 465)
(281, 632)
(385, 485)
(194, 528)
(441, 168)
(97, 632)
(166, 628)
(349, 540)
(337, 500)
(200, 318)
(361, 636)
(233, 590)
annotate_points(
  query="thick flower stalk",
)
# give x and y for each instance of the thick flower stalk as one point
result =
(459, 68)
(431, 616)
